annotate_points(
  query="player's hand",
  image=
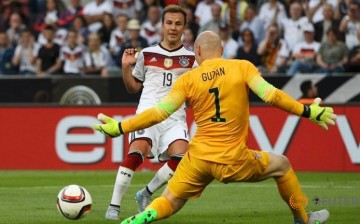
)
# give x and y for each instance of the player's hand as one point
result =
(321, 115)
(110, 127)
(129, 57)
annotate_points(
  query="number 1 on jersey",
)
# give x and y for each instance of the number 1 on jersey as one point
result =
(217, 117)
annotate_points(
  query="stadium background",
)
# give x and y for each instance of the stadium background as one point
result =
(35, 97)
(46, 126)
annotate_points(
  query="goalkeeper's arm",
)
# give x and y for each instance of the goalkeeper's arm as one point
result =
(145, 119)
(269, 94)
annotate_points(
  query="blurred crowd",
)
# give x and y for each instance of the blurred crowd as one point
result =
(74, 37)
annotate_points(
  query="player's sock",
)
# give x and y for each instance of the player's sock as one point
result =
(290, 191)
(124, 176)
(162, 206)
(161, 177)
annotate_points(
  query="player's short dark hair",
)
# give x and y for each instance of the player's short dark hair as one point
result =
(173, 9)
(305, 87)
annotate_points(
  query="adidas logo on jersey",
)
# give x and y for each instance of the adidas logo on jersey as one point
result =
(153, 59)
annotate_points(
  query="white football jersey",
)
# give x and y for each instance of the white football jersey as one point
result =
(158, 69)
(72, 58)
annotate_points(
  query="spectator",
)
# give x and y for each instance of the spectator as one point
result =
(254, 23)
(248, 51)
(97, 58)
(350, 24)
(93, 13)
(24, 53)
(15, 27)
(135, 41)
(316, 8)
(229, 45)
(203, 11)
(119, 34)
(131, 8)
(213, 24)
(273, 51)
(59, 38)
(108, 25)
(292, 26)
(6, 54)
(341, 8)
(272, 12)
(71, 55)
(75, 7)
(80, 26)
(151, 28)
(48, 61)
(309, 92)
(304, 53)
(145, 9)
(332, 55)
(326, 23)
(188, 39)
(7, 7)
(234, 13)
(354, 57)
(53, 15)
(191, 24)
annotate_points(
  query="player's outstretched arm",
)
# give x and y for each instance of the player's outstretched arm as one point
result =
(269, 94)
(167, 106)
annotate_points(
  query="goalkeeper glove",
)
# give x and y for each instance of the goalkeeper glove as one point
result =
(110, 128)
(320, 115)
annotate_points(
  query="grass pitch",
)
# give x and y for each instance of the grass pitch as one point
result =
(30, 197)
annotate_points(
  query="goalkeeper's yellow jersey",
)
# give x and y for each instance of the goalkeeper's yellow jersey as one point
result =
(217, 93)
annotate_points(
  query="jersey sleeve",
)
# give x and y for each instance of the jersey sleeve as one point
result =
(139, 70)
(270, 94)
(167, 106)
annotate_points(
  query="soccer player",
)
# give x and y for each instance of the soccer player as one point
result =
(157, 67)
(217, 93)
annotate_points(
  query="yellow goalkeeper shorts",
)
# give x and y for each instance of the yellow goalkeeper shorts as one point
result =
(193, 175)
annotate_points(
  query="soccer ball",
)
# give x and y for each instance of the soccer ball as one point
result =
(74, 202)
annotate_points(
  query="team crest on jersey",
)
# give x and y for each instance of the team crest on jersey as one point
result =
(168, 62)
(184, 62)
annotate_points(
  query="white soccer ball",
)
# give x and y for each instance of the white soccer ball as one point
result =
(74, 202)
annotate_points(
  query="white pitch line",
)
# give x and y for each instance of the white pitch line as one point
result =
(232, 185)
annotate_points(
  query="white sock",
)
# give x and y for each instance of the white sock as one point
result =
(160, 179)
(122, 182)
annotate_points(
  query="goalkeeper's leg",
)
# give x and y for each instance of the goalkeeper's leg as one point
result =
(290, 190)
(132, 161)
(161, 208)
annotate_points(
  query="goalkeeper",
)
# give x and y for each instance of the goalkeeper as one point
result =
(217, 93)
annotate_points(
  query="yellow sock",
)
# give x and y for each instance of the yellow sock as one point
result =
(162, 206)
(290, 191)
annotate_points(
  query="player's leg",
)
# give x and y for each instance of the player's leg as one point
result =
(172, 145)
(189, 180)
(289, 188)
(138, 149)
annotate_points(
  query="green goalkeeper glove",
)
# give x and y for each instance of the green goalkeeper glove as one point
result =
(110, 128)
(320, 115)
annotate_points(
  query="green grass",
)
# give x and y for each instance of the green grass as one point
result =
(30, 196)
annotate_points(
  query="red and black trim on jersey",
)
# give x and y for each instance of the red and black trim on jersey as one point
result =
(168, 62)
